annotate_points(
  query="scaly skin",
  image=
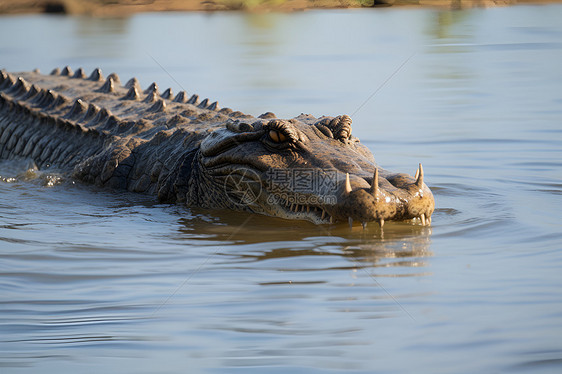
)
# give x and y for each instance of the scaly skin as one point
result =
(192, 152)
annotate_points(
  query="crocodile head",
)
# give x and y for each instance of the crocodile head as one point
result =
(305, 169)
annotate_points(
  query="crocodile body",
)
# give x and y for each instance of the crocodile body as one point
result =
(189, 151)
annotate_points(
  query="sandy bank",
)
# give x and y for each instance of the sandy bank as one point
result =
(124, 7)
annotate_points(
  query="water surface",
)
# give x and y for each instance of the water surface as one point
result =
(94, 280)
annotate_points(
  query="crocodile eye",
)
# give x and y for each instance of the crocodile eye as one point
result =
(277, 136)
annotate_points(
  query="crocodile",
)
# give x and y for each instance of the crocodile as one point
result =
(186, 150)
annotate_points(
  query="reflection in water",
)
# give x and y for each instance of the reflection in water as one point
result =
(261, 238)
(101, 37)
(98, 27)
(441, 26)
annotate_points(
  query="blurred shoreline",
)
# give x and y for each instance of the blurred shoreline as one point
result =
(105, 8)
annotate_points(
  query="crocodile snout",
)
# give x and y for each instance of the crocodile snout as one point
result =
(403, 197)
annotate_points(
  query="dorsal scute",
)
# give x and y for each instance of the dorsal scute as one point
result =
(132, 94)
(45, 98)
(20, 87)
(79, 74)
(159, 106)
(77, 109)
(66, 71)
(115, 78)
(7, 81)
(152, 97)
(152, 88)
(194, 99)
(59, 101)
(33, 90)
(96, 75)
(92, 111)
(133, 82)
(203, 104)
(181, 97)
(3, 76)
(100, 117)
(226, 111)
(108, 86)
(267, 115)
(168, 94)
(214, 106)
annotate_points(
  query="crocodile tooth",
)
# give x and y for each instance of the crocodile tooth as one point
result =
(331, 219)
(96, 75)
(375, 186)
(167, 94)
(55, 71)
(422, 217)
(181, 97)
(323, 214)
(132, 94)
(67, 71)
(350, 221)
(115, 78)
(419, 176)
(108, 86)
(347, 184)
(79, 73)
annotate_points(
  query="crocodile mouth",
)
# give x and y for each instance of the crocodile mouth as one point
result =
(397, 197)
(317, 214)
(401, 198)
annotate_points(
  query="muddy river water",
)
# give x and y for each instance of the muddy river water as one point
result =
(95, 281)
